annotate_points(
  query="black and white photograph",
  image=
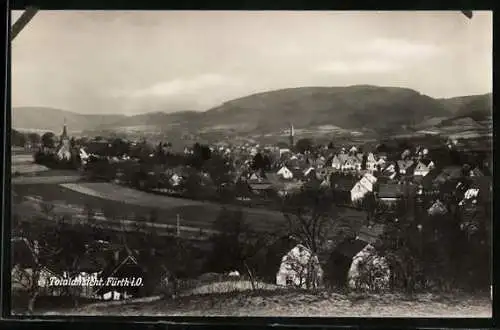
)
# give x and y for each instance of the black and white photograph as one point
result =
(251, 163)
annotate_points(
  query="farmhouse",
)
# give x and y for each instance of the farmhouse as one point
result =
(128, 268)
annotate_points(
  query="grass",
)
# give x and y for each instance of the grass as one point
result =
(279, 302)
(125, 202)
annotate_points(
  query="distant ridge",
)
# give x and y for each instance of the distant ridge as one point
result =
(358, 107)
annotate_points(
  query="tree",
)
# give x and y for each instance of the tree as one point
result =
(304, 145)
(59, 248)
(363, 161)
(192, 184)
(48, 140)
(18, 139)
(34, 138)
(218, 169)
(119, 147)
(201, 153)
(238, 246)
(258, 162)
(313, 220)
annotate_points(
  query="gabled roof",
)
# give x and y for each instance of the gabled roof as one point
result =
(421, 166)
(309, 171)
(371, 157)
(426, 161)
(484, 184)
(342, 157)
(438, 208)
(405, 164)
(476, 172)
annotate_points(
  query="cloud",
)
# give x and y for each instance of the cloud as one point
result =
(380, 55)
(397, 49)
(360, 66)
(181, 86)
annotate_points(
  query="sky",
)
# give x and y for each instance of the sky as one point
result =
(135, 62)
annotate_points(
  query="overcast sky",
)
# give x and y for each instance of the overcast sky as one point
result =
(133, 62)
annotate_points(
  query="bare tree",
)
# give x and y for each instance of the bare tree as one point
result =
(314, 221)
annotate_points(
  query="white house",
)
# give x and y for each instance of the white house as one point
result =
(362, 187)
(336, 163)
(358, 192)
(350, 164)
(285, 173)
(421, 169)
(84, 156)
(470, 194)
(175, 180)
(371, 162)
(297, 266)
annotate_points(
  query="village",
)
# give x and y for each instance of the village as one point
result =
(433, 183)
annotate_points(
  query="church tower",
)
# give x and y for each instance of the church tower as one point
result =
(292, 137)
(64, 135)
(64, 151)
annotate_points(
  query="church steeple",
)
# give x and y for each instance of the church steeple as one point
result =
(64, 134)
(292, 136)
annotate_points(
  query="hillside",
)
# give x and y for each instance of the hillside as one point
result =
(50, 119)
(311, 109)
(351, 107)
(477, 107)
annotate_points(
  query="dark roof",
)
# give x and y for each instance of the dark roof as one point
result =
(298, 173)
(452, 171)
(426, 161)
(344, 183)
(428, 180)
(390, 190)
(261, 185)
(370, 234)
(350, 248)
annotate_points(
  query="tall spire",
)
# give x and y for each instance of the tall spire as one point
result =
(292, 136)
(65, 132)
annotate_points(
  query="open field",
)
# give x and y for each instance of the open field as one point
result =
(297, 303)
(44, 179)
(22, 163)
(125, 203)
